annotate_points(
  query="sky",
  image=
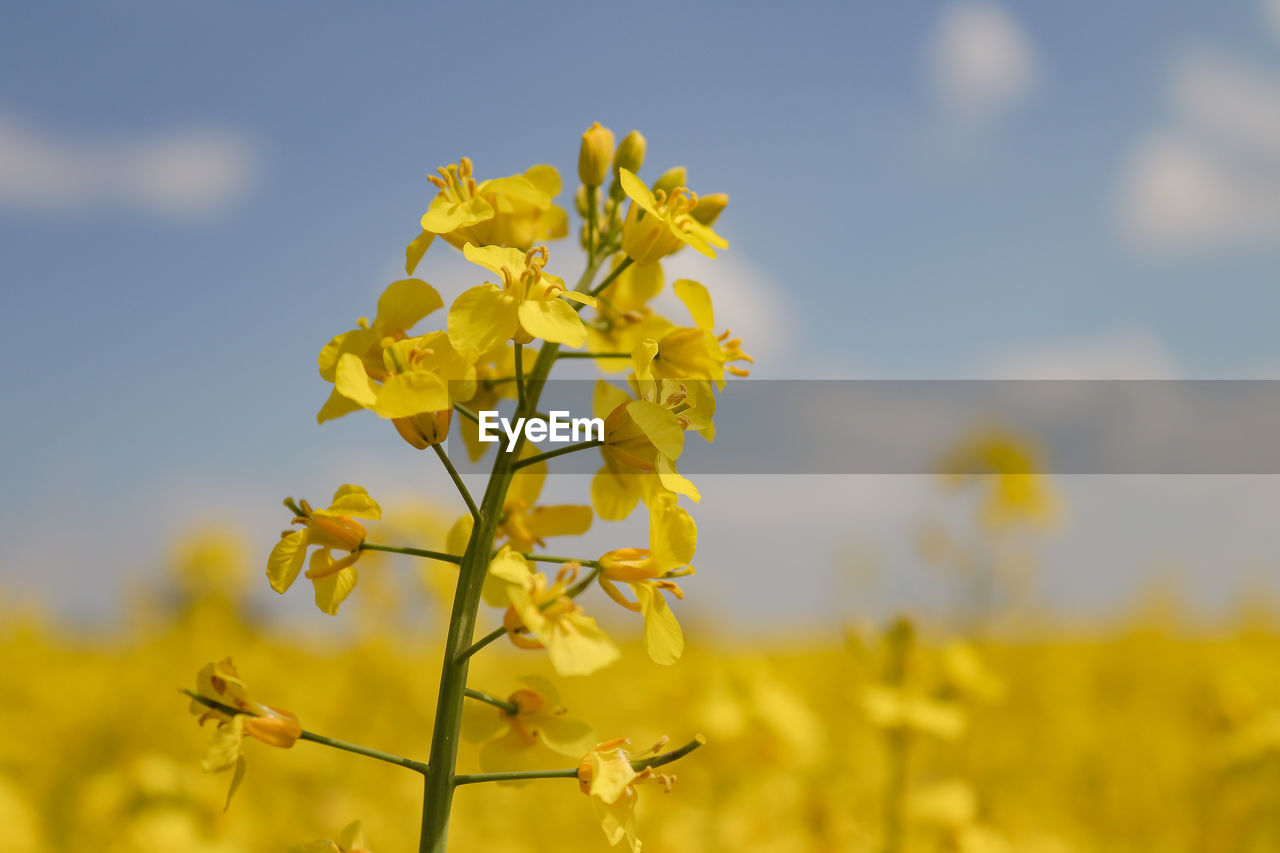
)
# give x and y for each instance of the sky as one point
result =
(195, 197)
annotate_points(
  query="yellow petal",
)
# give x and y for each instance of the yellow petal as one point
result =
(444, 215)
(333, 589)
(482, 317)
(352, 381)
(565, 735)
(510, 567)
(286, 560)
(659, 425)
(335, 407)
(494, 258)
(354, 502)
(696, 298)
(673, 481)
(606, 398)
(663, 639)
(577, 645)
(545, 178)
(415, 250)
(614, 495)
(352, 837)
(412, 393)
(562, 520)
(403, 304)
(357, 341)
(638, 192)
(553, 320)
(223, 749)
(481, 722)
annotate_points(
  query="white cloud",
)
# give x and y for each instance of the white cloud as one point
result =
(184, 172)
(1119, 355)
(982, 63)
(1271, 8)
(1211, 179)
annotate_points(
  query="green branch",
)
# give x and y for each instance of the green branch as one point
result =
(524, 775)
(466, 413)
(457, 481)
(508, 708)
(552, 454)
(594, 355)
(412, 552)
(325, 740)
(609, 279)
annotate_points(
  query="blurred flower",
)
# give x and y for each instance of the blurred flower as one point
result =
(350, 841)
(511, 741)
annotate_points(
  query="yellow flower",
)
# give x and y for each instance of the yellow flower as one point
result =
(673, 537)
(351, 840)
(902, 709)
(1009, 468)
(328, 529)
(530, 304)
(543, 616)
(658, 224)
(691, 353)
(515, 211)
(416, 376)
(605, 774)
(643, 438)
(623, 317)
(400, 307)
(511, 741)
(228, 704)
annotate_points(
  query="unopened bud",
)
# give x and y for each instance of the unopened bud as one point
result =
(630, 153)
(595, 154)
(671, 179)
(580, 202)
(424, 429)
(710, 207)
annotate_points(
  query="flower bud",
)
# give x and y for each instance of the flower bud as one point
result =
(424, 429)
(630, 153)
(710, 207)
(580, 202)
(594, 155)
(671, 179)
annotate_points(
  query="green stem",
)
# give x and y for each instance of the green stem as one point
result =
(608, 280)
(437, 797)
(466, 413)
(552, 454)
(520, 376)
(412, 552)
(457, 480)
(595, 355)
(355, 748)
(508, 708)
(593, 220)
(525, 775)
(549, 558)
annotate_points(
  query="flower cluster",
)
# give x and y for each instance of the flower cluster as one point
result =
(426, 380)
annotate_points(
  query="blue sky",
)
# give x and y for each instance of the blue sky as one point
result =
(195, 197)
